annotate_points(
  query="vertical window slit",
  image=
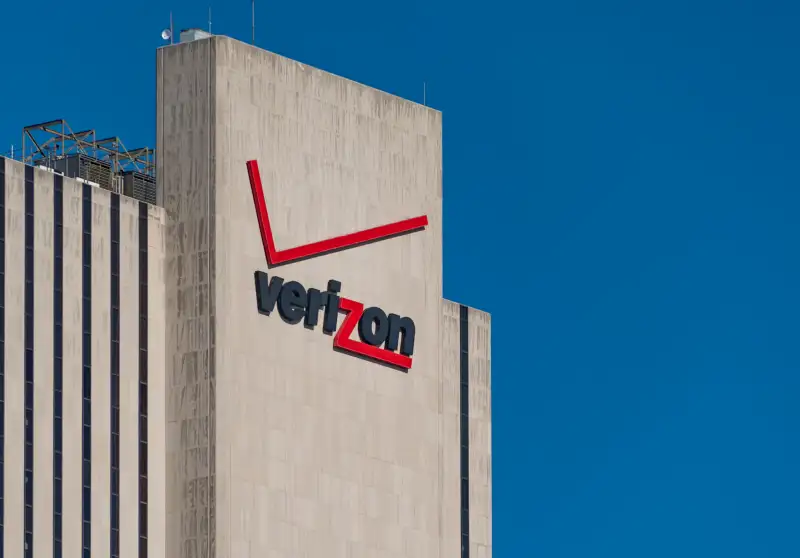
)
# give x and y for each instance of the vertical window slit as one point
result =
(143, 332)
(115, 373)
(28, 338)
(58, 347)
(86, 350)
(464, 416)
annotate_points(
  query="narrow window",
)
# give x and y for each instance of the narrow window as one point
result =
(58, 363)
(29, 354)
(115, 375)
(87, 372)
(143, 380)
(464, 405)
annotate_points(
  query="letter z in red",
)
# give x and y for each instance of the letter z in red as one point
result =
(343, 341)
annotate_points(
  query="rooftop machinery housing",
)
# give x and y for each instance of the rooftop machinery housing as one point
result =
(104, 162)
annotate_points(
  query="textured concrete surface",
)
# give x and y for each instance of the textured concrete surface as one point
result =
(349, 444)
(480, 430)
(449, 386)
(43, 364)
(157, 387)
(72, 370)
(185, 132)
(101, 371)
(15, 352)
(129, 376)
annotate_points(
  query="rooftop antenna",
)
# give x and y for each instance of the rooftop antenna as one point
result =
(209, 19)
(171, 30)
(424, 93)
(253, 5)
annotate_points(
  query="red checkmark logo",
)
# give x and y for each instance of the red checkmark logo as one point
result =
(279, 257)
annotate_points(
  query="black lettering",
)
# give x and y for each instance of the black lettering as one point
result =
(331, 313)
(375, 328)
(316, 301)
(292, 304)
(397, 325)
(267, 291)
(331, 319)
(376, 335)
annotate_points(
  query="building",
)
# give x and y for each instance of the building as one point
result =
(160, 397)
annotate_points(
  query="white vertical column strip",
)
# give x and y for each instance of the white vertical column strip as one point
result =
(157, 388)
(129, 378)
(72, 370)
(44, 255)
(480, 457)
(15, 358)
(101, 372)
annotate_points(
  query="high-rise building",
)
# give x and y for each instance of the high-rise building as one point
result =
(259, 364)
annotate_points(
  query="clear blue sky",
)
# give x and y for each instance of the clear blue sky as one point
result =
(621, 193)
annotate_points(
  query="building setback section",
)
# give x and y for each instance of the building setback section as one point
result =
(44, 377)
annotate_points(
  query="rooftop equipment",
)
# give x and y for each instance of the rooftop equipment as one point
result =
(105, 161)
(193, 34)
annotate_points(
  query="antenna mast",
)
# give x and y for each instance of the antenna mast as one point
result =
(253, 4)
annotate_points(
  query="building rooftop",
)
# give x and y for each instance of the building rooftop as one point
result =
(104, 162)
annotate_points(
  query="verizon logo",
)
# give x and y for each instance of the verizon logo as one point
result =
(386, 338)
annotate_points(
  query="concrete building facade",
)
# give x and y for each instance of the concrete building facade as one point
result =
(82, 317)
(202, 425)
